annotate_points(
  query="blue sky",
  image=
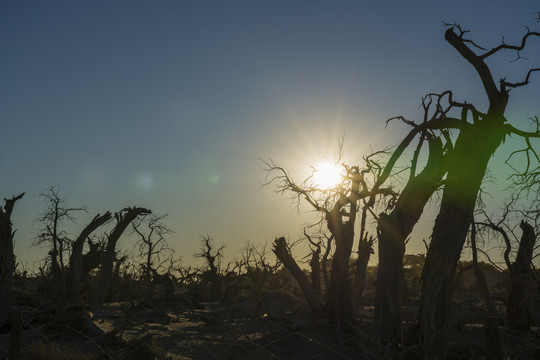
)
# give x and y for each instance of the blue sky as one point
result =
(168, 104)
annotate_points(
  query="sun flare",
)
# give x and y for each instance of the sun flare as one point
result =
(327, 175)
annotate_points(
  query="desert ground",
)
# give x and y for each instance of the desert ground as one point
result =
(280, 327)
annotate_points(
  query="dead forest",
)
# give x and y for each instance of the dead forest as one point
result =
(91, 300)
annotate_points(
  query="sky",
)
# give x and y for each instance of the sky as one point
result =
(169, 105)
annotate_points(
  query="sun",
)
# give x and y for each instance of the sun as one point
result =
(327, 175)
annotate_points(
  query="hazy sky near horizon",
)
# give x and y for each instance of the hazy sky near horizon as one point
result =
(168, 104)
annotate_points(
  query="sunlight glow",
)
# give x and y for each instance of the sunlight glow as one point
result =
(327, 175)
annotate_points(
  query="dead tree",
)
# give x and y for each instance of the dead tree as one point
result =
(213, 260)
(492, 345)
(53, 235)
(165, 280)
(473, 148)
(394, 227)
(283, 253)
(365, 249)
(252, 265)
(324, 261)
(152, 244)
(74, 277)
(7, 257)
(92, 259)
(123, 219)
(523, 286)
(315, 266)
(338, 208)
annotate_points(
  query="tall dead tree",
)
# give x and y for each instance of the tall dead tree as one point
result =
(76, 259)
(401, 214)
(338, 208)
(473, 148)
(394, 227)
(7, 257)
(123, 219)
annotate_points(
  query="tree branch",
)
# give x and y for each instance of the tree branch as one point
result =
(476, 61)
(517, 48)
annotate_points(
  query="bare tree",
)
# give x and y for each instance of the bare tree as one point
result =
(395, 225)
(493, 346)
(76, 259)
(315, 266)
(251, 271)
(53, 234)
(93, 258)
(338, 207)
(523, 288)
(152, 244)
(284, 255)
(212, 256)
(123, 219)
(365, 250)
(7, 257)
(473, 148)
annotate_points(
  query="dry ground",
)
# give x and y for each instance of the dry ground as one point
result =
(126, 331)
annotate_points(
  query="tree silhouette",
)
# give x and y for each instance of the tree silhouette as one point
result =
(7, 258)
(473, 147)
(123, 219)
(212, 256)
(394, 226)
(152, 244)
(338, 208)
(76, 259)
(53, 234)
(282, 252)
(523, 282)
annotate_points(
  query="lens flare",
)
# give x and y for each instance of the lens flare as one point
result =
(145, 181)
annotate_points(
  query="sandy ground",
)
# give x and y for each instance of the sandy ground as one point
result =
(122, 331)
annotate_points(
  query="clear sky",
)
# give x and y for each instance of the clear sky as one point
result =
(168, 104)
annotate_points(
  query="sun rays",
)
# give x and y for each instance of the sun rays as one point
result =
(327, 175)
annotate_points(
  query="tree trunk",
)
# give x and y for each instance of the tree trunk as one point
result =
(149, 271)
(7, 258)
(282, 253)
(492, 343)
(365, 249)
(324, 266)
(339, 305)
(216, 290)
(393, 230)
(124, 218)
(474, 147)
(76, 259)
(315, 266)
(522, 288)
